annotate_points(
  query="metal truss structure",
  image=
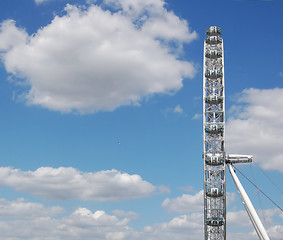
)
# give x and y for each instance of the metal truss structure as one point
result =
(214, 136)
(214, 155)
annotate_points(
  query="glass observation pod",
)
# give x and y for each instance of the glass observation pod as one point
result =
(214, 159)
(214, 128)
(213, 40)
(213, 54)
(213, 99)
(215, 221)
(213, 74)
(214, 192)
(213, 31)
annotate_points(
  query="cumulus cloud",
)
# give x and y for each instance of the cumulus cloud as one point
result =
(238, 218)
(69, 183)
(121, 213)
(20, 220)
(185, 203)
(21, 209)
(275, 232)
(11, 36)
(81, 224)
(255, 126)
(91, 60)
(239, 222)
(178, 228)
(190, 203)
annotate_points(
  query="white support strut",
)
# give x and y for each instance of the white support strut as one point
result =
(260, 230)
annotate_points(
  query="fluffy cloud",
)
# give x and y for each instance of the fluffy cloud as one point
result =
(185, 203)
(21, 209)
(81, 224)
(121, 213)
(256, 127)
(92, 60)
(238, 218)
(11, 36)
(239, 222)
(190, 203)
(69, 183)
(85, 224)
(275, 232)
(20, 220)
(158, 22)
(178, 228)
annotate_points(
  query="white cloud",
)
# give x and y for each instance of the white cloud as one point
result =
(21, 209)
(179, 228)
(242, 235)
(11, 36)
(81, 224)
(169, 27)
(136, 9)
(178, 109)
(275, 232)
(238, 218)
(88, 225)
(190, 203)
(255, 127)
(38, 2)
(20, 220)
(69, 183)
(121, 213)
(240, 221)
(157, 22)
(44, 224)
(95, 60)
(41, 1)
(185, 203)
(197, 116)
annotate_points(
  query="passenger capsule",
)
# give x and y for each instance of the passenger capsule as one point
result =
(214, 99)
(214, 159)
(213, 31)
(213, 54)
(215, 221)
(213, 74)
(213, 40)
(214, 128)
(214, 192)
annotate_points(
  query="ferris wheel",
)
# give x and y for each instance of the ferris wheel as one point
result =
(214, 136)
(214, 155)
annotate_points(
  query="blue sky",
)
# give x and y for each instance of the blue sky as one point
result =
(101, 124)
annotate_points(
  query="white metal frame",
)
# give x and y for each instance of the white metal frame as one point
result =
(214, 155)
(214, 135)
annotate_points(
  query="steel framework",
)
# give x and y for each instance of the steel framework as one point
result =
(214, 136)
(214, 155)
